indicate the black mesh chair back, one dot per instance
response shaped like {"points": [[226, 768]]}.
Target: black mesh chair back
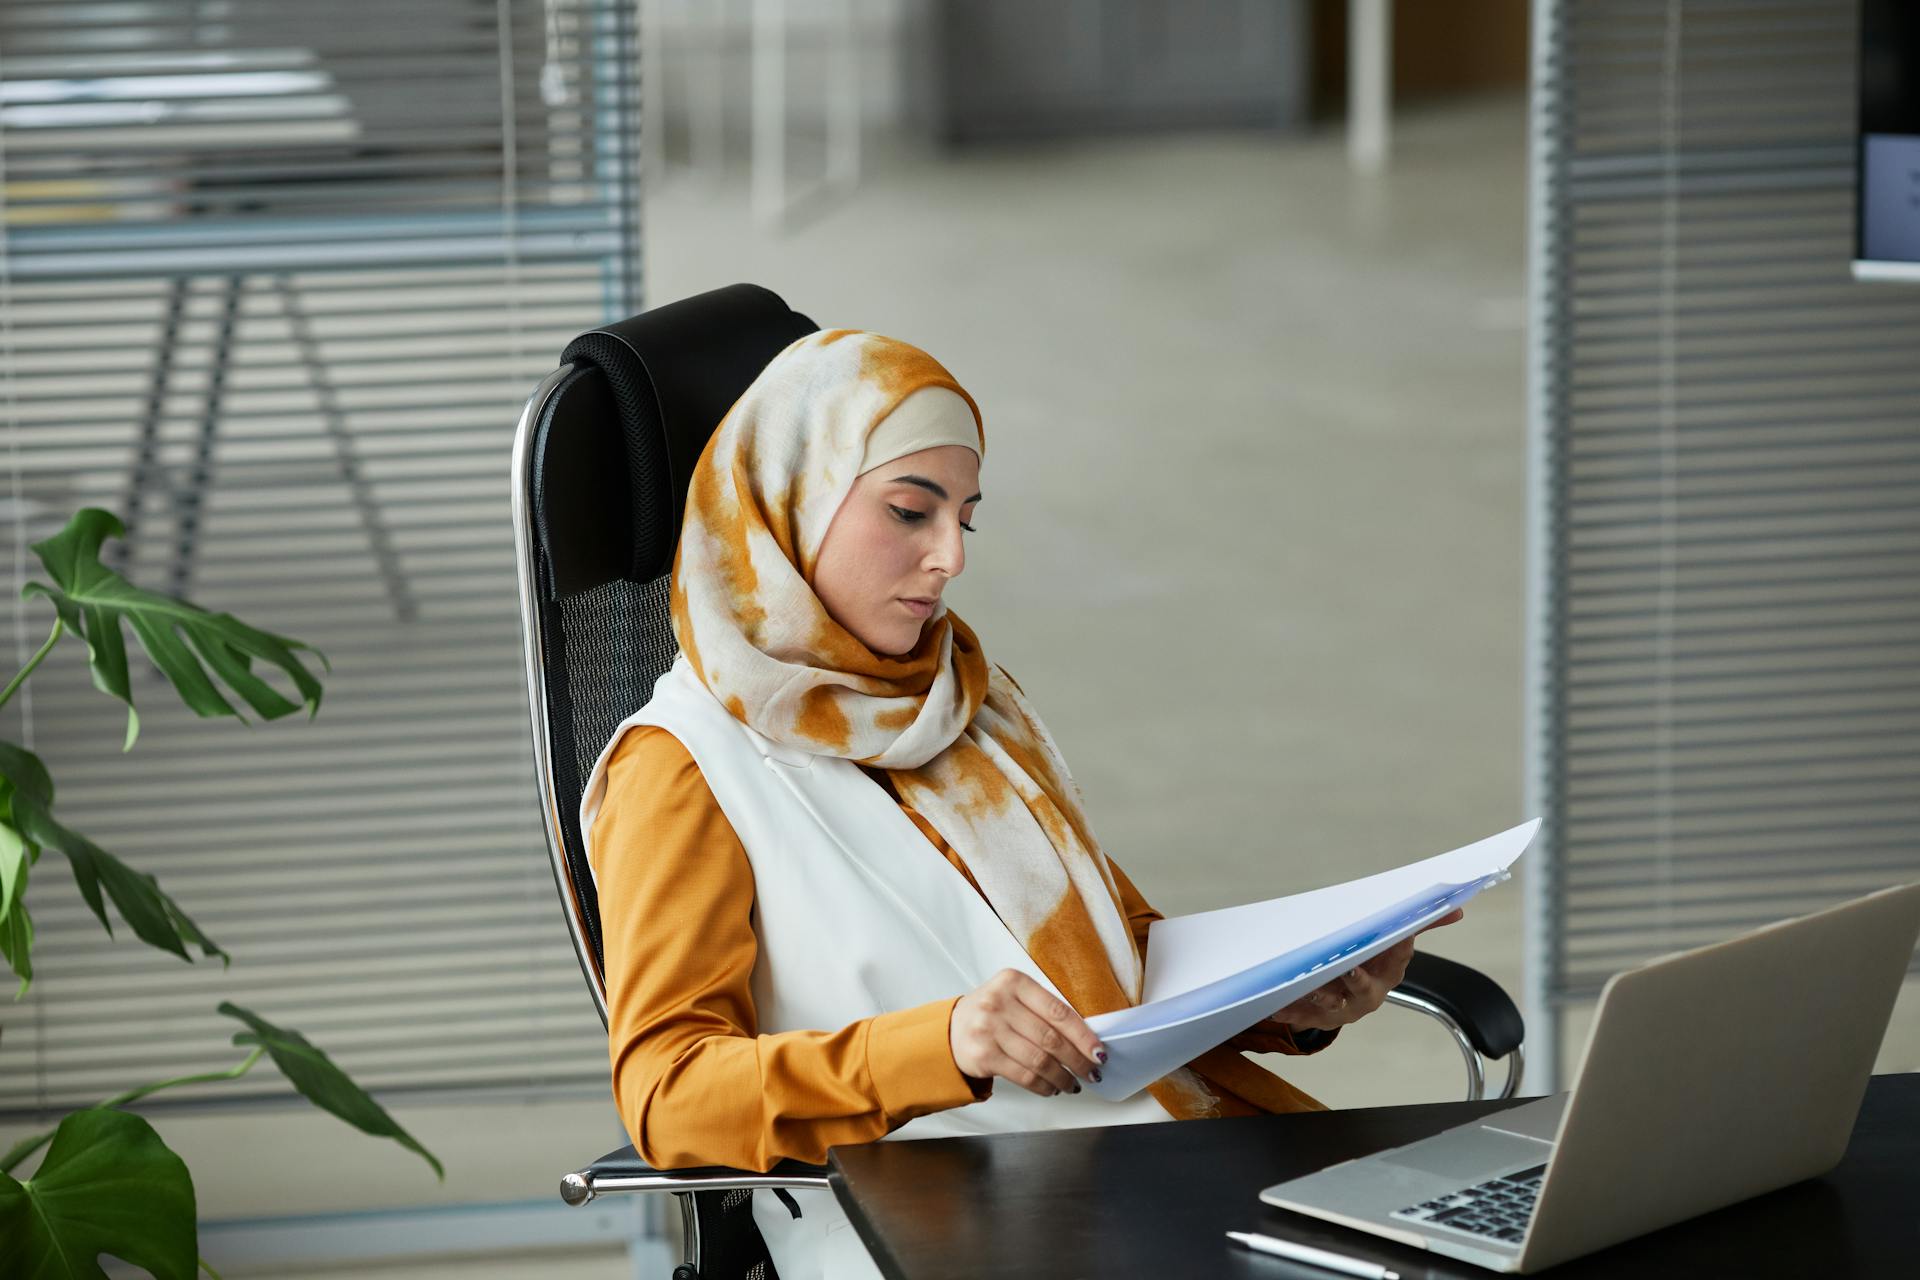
{"points": [[605, 452], [602, 460]]}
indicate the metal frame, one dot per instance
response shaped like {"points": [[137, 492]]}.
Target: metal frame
{"points": [[186, 501], [536, 692], [1476, 1063], [583, 1187], [1546, 491]]}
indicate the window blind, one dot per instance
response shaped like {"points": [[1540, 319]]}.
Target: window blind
{"points": [[278, 278], [1724, 645]]}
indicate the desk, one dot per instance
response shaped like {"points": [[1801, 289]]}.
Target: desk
{"points": [[1155, 1200]]}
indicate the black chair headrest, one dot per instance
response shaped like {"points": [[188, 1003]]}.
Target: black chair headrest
{"points": [[666, 378]]}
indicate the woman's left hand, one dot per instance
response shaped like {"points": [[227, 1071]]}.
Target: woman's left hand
{"points": [[1357, 992]]}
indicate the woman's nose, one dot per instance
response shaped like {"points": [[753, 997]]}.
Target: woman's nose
{"points": [[950, 550]]}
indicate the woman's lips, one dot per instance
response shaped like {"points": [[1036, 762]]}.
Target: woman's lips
{"points": [[921, 608]]}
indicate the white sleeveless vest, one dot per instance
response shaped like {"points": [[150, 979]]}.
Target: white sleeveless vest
{"points": [[856, 914]]}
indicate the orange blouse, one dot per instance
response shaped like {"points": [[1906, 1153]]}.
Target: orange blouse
{"points": [[694, 1082]]}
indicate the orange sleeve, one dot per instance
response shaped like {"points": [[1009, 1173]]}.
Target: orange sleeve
{"points": [[1268, 1036], [694, 1082]]}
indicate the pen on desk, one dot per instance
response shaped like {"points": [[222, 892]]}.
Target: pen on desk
{"points": [[1312, 1257]]}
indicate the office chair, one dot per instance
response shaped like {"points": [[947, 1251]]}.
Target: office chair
{"points": [[601, 463]]}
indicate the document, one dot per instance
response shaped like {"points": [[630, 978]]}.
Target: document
{"points": [[1213, 974]]}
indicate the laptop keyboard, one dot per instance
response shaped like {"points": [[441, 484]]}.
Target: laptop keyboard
{"points": [[1498, 1208]]}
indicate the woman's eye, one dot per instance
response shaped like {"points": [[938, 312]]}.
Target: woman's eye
{"points": [[915, 517]]}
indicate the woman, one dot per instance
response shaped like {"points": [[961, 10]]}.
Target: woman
{"points": [[846, 881]]}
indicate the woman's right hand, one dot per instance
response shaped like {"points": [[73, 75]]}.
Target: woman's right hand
{"points": [[1011, 1026]]}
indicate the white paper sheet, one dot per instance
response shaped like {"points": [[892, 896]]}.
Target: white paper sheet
{"points": [[1213, 974]]}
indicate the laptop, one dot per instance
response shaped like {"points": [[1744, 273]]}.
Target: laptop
{"points": [[1712, 1076]]}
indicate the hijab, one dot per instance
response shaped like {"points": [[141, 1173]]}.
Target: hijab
{"points": [[956, 736]]}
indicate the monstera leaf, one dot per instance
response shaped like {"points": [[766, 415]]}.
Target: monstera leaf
{"points": [[325, 1085], [107, 1185], [29, 825], [16, 944], [190, 645], [84, 1162], [16, 855]]}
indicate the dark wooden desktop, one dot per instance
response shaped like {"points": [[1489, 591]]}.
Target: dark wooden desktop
{"points": [[1157, 1199]]}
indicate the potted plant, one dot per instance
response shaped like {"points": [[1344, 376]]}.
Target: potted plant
{"points": [[107, 1183]]}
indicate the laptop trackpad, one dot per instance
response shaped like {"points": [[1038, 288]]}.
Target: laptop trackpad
{"points": [[1472, 1155]]}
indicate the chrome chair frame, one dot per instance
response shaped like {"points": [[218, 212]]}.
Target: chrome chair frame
{"points": [[1476, 1061]]}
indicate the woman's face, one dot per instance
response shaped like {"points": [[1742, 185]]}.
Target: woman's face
{"points": [[895, 541]]}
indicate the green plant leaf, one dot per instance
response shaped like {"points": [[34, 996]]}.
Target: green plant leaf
{"points": [[324, 1084], [93, 600], [17, 854], [156, 918], [13, 856], [24, 772], [16, 945], [107, 1185]]}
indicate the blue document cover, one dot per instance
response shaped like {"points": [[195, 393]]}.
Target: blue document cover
{"points": [[1212, 975], [1323, 959]]}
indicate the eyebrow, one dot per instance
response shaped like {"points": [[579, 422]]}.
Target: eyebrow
{"points": [[928, 485]]}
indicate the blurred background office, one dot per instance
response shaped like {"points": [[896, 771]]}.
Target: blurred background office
{"points": [[1380, 452]]}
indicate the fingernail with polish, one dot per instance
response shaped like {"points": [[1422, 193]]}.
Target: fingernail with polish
{"points": [[1094, 1075], [1100, 1055]]}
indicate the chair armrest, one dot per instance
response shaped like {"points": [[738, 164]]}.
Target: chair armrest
{"points": [[623, 1170], [1476, 1002]]}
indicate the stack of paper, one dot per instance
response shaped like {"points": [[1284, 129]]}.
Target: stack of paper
{"points": [[1212, 975]]}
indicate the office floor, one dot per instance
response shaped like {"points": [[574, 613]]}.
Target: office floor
{"points": [[1253, 530]]}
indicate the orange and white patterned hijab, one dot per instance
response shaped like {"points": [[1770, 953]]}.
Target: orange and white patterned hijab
{"points": [[957, 737]]}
